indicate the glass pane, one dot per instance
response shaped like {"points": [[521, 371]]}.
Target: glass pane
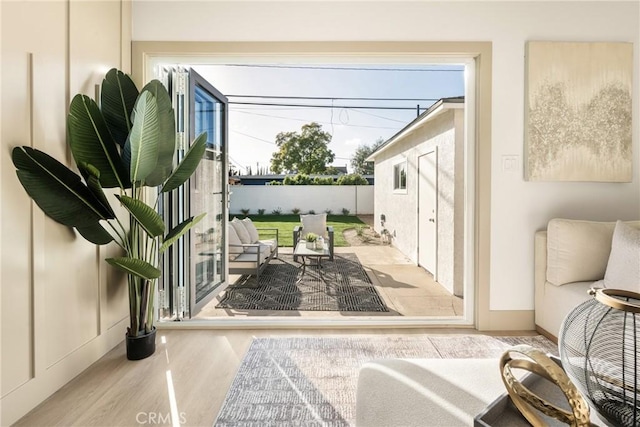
{"points": [[206, 196]]}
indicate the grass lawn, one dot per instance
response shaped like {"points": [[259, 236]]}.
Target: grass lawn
{"points": [[285, 224]]}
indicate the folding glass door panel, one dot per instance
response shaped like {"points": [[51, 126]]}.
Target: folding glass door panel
{"points": [[208, 192], [194, 268]]}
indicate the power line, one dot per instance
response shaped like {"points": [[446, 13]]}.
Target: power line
{"points": [[272, 143], [320, 106], [332, 98], [307, 121], [237, 163], [258, 108], [300, 67], [380, 117], [254, 137], [248, 109]]}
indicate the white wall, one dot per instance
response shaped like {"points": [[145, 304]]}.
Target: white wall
{"points": [[62, 307], [358, 199], [400, 209], [518, 208]]}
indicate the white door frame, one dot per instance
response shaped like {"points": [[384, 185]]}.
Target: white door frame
{"points": [[147, 55]]}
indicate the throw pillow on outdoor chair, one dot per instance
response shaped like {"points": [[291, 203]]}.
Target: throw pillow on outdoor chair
{"points": [[317, 224], [314, 223]]}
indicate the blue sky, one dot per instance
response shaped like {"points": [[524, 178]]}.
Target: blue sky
{"points": [[253, 128]]}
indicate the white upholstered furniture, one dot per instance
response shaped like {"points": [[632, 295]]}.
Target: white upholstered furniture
{"points": [[247, 253], [425, 392], [572, 256], [317, 224]]}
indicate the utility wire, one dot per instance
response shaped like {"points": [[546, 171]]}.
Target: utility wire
{"points": [[380, 117], [320, 106], [318, 121], [254, 137], [300, 67], [235, 162], [272, 143], [248, 110], [258, 108], [332, 98]]}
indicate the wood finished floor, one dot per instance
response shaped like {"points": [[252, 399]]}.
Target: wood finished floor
{"points": [[196, 367], [406, 289]]}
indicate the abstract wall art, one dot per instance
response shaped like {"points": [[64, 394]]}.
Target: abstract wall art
{"points": [[578, 111]]}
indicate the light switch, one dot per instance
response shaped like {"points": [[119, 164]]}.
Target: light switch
{"points": [[510, 163]]}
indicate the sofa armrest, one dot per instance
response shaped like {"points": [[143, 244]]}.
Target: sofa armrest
{"points": [[331, 242], [274, 231], [540, 275], [297, 232]]}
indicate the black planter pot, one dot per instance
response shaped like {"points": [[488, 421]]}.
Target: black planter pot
{"points": [[142, 346]]}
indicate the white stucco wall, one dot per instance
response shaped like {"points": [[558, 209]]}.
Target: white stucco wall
{"points": [[358, 199], [518, 207], [401, 209]]}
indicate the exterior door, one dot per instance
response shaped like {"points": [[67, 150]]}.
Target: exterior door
{"points": [[194, 270], [427, 211], [208, 113]]}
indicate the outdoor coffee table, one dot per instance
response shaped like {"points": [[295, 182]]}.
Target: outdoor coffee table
{"points": [[302, 251]]}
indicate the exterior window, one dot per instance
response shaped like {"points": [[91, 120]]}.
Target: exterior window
{"points": [[400, 176]]}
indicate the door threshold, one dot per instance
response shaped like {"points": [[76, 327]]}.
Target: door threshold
{"points": [[287, 322]]}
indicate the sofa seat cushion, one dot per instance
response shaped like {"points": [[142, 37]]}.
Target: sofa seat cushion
{"points": [[623, 268], [249, 255], [272, 243], [265, 251], [246, 260], [560, 300]]}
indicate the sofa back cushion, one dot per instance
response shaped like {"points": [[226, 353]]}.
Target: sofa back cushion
{"points": [[234, 242], [241, 230], [578, 251], [623, 269], [254, 236]]}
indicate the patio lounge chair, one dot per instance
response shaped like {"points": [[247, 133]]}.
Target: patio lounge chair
{"points": [[316, 223]]}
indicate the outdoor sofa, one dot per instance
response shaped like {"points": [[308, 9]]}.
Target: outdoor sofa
{"points": [[248, 254]]}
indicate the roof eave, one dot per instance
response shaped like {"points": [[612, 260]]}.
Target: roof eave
{"points": [[431, 113]]}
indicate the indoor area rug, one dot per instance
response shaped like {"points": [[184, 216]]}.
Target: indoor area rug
{"points": [[342, 285], [311, 381]]}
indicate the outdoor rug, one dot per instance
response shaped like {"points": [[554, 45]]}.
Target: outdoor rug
{"points": [[346, 287], [312, 381]]}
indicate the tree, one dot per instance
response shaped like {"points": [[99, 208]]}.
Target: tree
{"points": [[331, 170], [306, 152], [352, 179], [362, 152]]}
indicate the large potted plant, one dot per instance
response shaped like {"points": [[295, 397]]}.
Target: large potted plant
{"points": [[126, 143]]}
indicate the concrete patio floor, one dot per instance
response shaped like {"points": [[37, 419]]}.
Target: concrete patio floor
{"points": [[407, 290]]}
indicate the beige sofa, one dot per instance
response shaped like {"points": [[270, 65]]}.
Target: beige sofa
{"points": [[571, 256]]}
